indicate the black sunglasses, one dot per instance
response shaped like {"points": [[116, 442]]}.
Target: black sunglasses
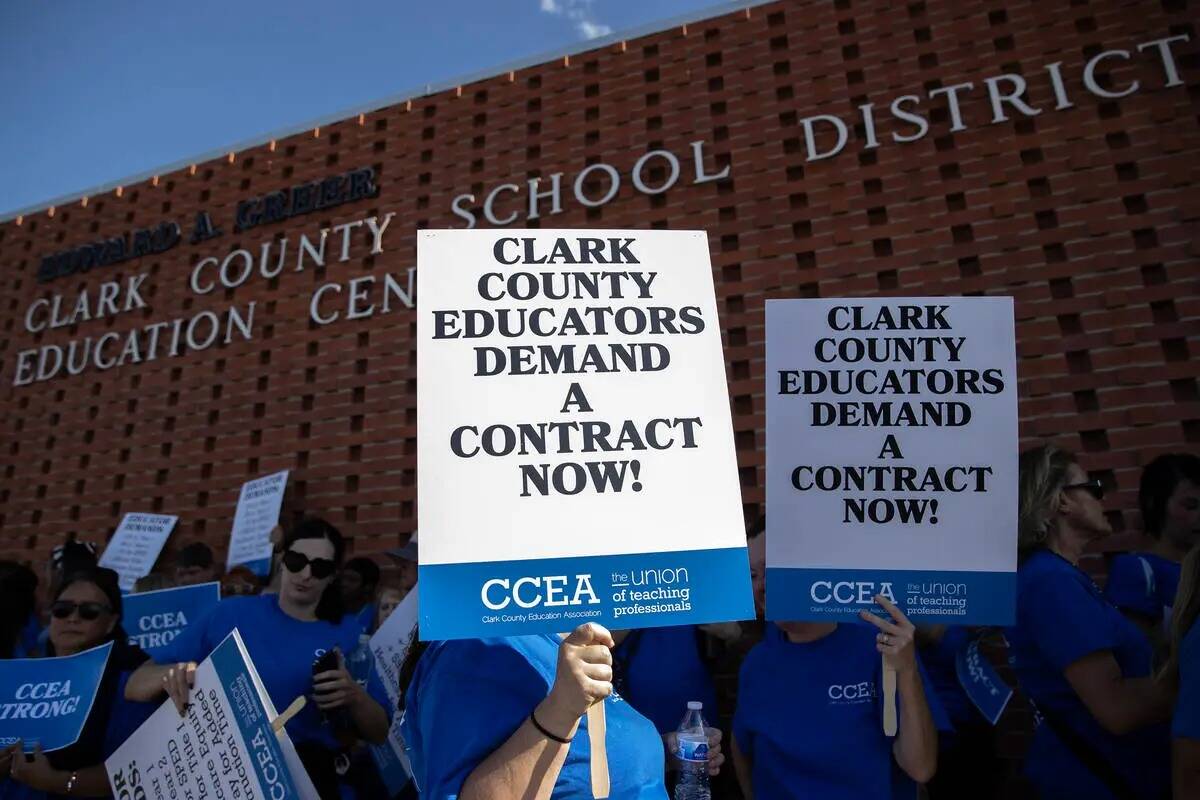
{"points": [[89, 612], [321, 567], [1093, 487]]}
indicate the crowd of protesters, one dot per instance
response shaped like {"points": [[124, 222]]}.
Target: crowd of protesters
{"points": [[1111, 675]]}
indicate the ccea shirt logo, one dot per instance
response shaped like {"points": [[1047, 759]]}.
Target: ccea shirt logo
{"points": [[851, 693], [530, 592], [859, 593]]}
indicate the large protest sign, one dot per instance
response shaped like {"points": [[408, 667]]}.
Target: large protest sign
{"points": [[153, 619], [892, 458], [135, 546], [575, 450], [223, 746], [47, 700], [390, 645], [257, 513]]}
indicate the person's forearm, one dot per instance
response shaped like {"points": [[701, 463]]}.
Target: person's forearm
{"points": [[146, 682], [526, 766], [916, 741], [370, 720], [1133, 703], [92, 782]]}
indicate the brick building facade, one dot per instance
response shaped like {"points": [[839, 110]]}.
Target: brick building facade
{"points": [[1063, 173], [1049, 151]]}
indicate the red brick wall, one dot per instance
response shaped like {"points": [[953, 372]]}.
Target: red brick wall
{"points": [[1088, 216]]}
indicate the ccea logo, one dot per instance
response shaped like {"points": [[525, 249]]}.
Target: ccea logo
{"points": [[860, 593], [531, 592], [852, 692]]}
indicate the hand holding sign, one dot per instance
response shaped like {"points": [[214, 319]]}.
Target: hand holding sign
{"points": [[584, 677], [177, 683], [895, 639], [36, 772]]}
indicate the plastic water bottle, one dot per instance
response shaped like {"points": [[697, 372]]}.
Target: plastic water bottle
{"points": [[692, 752], [359, 662]]}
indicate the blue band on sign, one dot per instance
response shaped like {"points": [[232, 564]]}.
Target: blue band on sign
{"points": [[926, 597], [265, 754], [554, 595]]}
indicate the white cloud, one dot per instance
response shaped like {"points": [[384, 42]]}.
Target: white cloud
{"points": [[579, 12], [592, 30]]}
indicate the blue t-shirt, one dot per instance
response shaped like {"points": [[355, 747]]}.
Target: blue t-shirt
{"points": [[282, 649], [663, 671], [29, 643], [468, 697], [1143, 583], [1062, 617], [1186, 724], [810, 717], [941, 663]]}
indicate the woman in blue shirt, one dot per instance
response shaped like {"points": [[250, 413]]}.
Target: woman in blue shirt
{"points": [[503, 719], [1143, 584], [809, 720], [284, 634], [86, 613], [1183, 671], [1083, 665]]}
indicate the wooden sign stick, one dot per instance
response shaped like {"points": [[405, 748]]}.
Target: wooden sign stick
{"points": [[289, 712], [597, 736], [890, 723]]}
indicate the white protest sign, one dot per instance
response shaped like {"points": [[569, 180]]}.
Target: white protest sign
{"points": [[224, 746], [257, 513], [892, 458], [390, 645], [575, 449], [135, 546]]}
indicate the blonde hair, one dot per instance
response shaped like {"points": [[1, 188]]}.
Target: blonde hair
{"points": [[1042, 475], [1184, 612]]}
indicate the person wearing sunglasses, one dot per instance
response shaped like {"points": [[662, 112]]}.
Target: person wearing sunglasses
{"points": [[85, 613], [285, 634], [1085, 668], [1143, 583]]}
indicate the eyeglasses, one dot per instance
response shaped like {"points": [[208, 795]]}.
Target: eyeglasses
{"points": [[89, 612], [1094, 487], [321, 567]]}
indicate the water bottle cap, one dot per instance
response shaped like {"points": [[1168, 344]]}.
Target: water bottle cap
{"points": [[695, 705]]}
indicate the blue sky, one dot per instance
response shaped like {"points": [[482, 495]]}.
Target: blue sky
{"points": [[94, 91]]}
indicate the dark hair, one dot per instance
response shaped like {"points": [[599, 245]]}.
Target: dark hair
{"points": [[73, 555], [1160, 478], [408, 667], [759, 526], [366, 568], [331, 607], [18, 587], [195, 554], [124, 655]]}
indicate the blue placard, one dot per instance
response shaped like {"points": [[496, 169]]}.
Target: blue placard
{"points": [[266, 755], [153, 619], [47, 700], [837, 595], [550, 595], [983, 685]]}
